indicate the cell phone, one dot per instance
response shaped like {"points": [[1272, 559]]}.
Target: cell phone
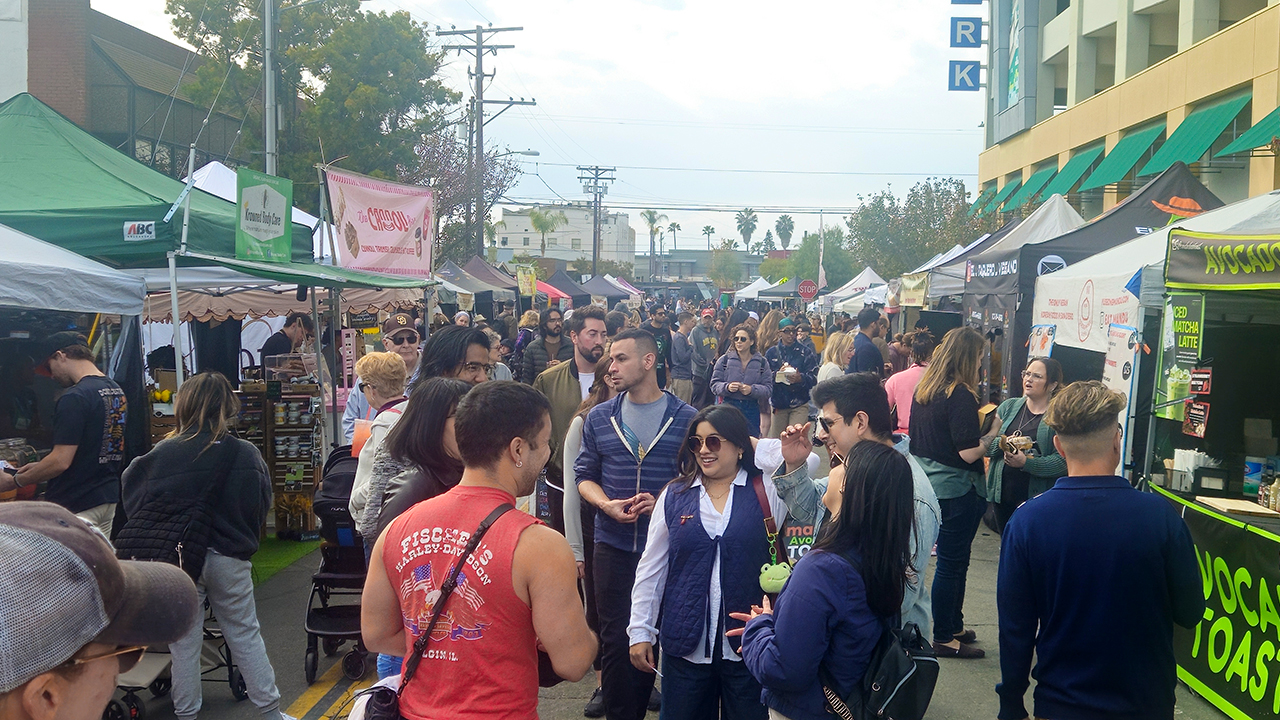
{"points": [[10, 470]]}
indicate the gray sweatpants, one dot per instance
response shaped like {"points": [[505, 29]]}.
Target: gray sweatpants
{"points": [[228, 584]]}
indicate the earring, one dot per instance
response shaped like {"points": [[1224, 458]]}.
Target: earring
{"points": [[519, 463]]}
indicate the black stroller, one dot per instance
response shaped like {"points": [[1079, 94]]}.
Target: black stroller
{"points": [[341, 573]]}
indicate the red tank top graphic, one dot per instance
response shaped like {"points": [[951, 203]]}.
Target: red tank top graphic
{"points": [[481, 661]]}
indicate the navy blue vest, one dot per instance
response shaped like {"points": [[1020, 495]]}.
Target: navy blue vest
{"points": [[744, 548]]}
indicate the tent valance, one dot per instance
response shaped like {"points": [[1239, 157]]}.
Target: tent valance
{"points": [[268, 302]]}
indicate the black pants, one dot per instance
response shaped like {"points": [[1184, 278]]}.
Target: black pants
{"points": [[626, 689], [702, 396], [588, 571]]}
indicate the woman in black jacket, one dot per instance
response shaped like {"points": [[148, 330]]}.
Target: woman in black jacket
{"points": [[187, 464]]}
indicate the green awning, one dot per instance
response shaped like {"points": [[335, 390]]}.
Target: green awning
{"points": [[1001, 196], [1196, 134], [1071, 173], [315, 275], [983, 197], [1255, 137], [1123, 157], [1031, 187]]}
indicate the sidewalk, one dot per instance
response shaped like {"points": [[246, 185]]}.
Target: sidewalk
{"points": [[966, 688]]}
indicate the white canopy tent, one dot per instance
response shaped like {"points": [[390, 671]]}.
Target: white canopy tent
{"points": [[1081, 300], [877, 295], [44, 276], [868, 278], [752, 291], [218, 179], [1053, 218]]}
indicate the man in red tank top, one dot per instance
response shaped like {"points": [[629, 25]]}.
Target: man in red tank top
{"points": [[517, 592]]}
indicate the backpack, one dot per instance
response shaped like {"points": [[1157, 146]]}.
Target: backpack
{"points": [[899, 680], [175, 528]]}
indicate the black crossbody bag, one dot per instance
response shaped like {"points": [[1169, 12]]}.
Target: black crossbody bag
{"points": [[384, 703]]}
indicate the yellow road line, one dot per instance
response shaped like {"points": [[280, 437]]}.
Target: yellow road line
{"points": [[317, 691], [332, 713]]}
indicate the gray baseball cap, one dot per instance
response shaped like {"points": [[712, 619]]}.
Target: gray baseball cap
{"points": [[61, 587]]}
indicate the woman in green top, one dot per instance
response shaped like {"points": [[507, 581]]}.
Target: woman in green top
{"points": [[1014, 477]]}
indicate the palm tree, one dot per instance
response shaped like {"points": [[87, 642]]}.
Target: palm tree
{"points": [[545, 221], [654, 220], [747, 222], [785, 227], [708, 231], [673, 227]]}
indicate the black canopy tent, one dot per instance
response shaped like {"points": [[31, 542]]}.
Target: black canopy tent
{"points": [[485, 294], [565, 284], [1004, 295], [598, 285], [788, 289]]}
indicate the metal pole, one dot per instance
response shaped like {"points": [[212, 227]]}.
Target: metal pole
{"points": [[173, 266], [335, 299], [318, 348], [479, 121], [269, 83], [326, 218], [595, 236]]}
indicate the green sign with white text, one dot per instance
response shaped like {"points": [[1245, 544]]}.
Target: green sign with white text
{"points": [[264, 204]]}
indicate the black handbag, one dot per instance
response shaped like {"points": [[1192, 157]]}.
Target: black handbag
{"points": [[898, 682], [175, 528], [384, 703]]}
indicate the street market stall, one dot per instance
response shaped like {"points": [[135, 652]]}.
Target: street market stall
{"points": [[578, 295], [868, 278], [599, 287], [752, 291], [945, 278]]}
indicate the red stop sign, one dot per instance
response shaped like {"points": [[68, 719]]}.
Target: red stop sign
{"points": [[808, 289]]}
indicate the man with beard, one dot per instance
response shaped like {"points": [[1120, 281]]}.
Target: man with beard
{"points": [[661, 332], [566, 385], [548, 349], [705, 341]]}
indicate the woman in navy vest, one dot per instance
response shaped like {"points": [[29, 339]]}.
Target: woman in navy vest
{"points": [[707, 545], [833, 608]]}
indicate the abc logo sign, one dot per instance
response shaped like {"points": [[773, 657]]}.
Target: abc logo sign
{"points": [[136, 231]]}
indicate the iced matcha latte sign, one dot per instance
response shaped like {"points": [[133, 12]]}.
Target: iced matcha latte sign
{"points": [[265, 204], [1179, 351]]}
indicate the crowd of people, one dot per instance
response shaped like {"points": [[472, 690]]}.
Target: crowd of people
{"points": [[662, 452]]}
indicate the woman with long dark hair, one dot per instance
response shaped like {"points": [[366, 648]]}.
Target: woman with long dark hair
{"points": [[831, 612], [741, 377], [185, 465], [735, 318], [701, 564], [947, 441]]}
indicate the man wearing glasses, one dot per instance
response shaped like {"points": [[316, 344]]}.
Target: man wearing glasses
{"points": [[297, 329], [400, 336], [796, 368], [73, 616]]}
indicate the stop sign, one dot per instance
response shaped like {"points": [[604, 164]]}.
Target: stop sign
{"points": [[808, 289]]}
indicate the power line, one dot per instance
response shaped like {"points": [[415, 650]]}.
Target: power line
{"points": [[704, 207], [761, 171], [761, 126]]}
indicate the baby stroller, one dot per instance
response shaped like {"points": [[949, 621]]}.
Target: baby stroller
{"points": [[341, 573]]}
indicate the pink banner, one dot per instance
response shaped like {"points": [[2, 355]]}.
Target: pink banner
{"points": [[382, 226]]}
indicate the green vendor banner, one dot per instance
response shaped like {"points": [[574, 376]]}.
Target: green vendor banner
{"points": [[265, 206], [1180, 346], [1232, 656], [1206, 261]]}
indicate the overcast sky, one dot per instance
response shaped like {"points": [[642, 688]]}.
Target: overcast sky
{"points": [[711, 103]]}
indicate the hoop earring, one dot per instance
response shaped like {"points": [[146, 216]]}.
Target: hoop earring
{"points": [[519, 463]]}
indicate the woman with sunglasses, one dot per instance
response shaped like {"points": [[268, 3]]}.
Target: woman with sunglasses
{"points": [[831, 612], [185, 465], [741, 377], [701, 566]]}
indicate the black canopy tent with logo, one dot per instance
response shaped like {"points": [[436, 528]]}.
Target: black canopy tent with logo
{"points": [[1003, 296]]}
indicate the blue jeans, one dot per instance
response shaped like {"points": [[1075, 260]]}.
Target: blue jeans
{"points": [[724, 689], [388, 665], [960, 519]]}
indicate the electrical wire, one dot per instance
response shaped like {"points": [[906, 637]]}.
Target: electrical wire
{"points": [[760, 126], [173, 94], [214, 104], [704, 207], [762, 171]]}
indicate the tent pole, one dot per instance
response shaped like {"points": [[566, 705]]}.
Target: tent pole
{"points": [[325, 219], [319, 344], [173, 307], [335, 302]]}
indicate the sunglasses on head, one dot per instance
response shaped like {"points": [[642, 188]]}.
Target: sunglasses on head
{"points": [[406, 338], [712, 442], [128, 657]]}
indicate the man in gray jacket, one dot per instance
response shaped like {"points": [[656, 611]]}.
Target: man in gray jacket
{"points": [[681, 384], [705, 342]]}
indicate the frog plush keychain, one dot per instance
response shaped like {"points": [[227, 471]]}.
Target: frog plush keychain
{"points": [[773, 575]]}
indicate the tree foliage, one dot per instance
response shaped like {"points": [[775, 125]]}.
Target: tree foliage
{"points": [[747, 221], [708, 231], [672, 228], [545, 221], [442, 166], [764, 246], [785, 227], [840, 265], [725, 270], [774, 269], [895, 236], [582, 266]]}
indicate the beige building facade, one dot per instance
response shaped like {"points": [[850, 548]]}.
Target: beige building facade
{"points": [[1125, 88]]}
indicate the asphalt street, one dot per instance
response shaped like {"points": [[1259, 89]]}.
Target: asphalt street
{"points": [[965, 688]]}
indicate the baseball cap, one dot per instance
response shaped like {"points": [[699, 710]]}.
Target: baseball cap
{"points": [[61, 587], [753, 315], [708, 313], [396, 322], [53, 344]]}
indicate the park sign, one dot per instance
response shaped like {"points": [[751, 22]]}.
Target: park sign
{"points": [[264, 230], [1205, 261], [808, 289]]}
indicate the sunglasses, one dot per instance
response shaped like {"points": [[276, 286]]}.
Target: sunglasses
{"points": [[826, 424], [787, 330], [406, 338], [712, 442], [128, 657], [742, 338]]}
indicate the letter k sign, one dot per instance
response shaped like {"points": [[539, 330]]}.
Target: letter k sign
{"points": [[964, 75]]}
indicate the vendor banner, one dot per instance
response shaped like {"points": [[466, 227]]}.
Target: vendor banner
{"points": [[264, 231], [1223, 262], [527, 280], [1229, 657], [914, 290], [1118, 371], [1181, 338], [1082, 308], [381, 226]]}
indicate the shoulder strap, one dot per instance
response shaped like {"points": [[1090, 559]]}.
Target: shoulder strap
{"points": [[420, 645], [770, 525]]}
